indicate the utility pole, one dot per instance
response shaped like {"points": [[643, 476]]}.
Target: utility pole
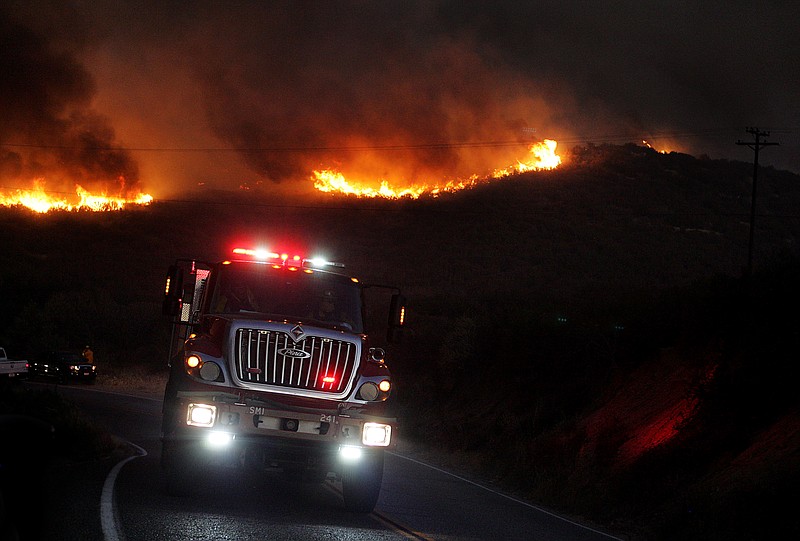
{"points": [[755, 146]]}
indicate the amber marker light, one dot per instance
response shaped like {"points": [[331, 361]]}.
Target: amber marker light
{"points": [[193, 361]]}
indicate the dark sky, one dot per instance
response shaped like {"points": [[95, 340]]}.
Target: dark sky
{"points": [[174, 94]]}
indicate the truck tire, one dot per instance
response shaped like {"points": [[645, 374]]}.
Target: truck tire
{"points": [[361, 483]]}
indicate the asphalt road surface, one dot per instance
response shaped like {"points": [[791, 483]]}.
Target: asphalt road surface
{"points": [[122, 499]]}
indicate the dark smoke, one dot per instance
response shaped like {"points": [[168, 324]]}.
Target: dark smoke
{"points": [[300, 74], [356, 75], [48, 129], [274, 90]]}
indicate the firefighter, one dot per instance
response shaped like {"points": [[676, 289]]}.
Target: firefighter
{"points": [[88, 354], [326, 306], [238, 298], [326, 310]]}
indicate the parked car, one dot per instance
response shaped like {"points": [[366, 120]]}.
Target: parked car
{"points": [[65, 366]]}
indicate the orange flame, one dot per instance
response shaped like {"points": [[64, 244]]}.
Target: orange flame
{"points": [[648, 145], [41, 201], [331, 181], [541, 156]]}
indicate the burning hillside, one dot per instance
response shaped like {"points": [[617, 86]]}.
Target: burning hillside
{"points": [[540, 156], [376, 125], [40, 200], [56, 151]]}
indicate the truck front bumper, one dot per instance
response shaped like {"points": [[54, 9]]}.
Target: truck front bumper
{"points": [[221, 423]]}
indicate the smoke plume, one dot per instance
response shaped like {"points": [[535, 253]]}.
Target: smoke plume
{"points": [[226, 94], [49, 133]]}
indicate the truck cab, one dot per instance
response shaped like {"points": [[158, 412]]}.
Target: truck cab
{"points": [[271, 367]]}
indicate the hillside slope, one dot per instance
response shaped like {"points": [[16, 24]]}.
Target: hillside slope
{"points": [[585, 335]]}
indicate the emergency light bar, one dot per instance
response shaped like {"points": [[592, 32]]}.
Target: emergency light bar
{"points": [[284, 259], [257, 254]]}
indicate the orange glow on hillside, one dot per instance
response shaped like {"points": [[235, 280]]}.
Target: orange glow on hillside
{"points": [[42, 201], [541, 156], [648, 145]]}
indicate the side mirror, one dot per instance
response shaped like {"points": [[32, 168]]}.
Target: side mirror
{"points": [[397, 318], [173, 294]]}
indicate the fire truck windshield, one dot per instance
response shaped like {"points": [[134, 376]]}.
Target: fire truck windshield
{"points": [[244, 287]]}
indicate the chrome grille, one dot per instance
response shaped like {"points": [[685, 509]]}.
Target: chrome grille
{"points": [[316, 363]]}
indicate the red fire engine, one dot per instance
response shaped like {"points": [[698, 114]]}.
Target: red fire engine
{"points": [[271, 367]]}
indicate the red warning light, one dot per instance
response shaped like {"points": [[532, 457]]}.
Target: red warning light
{"points": [[261, 255], [293, 262]]}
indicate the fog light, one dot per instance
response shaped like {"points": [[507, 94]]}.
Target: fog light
{"points": [[376, 434], [219, 439], [385, 385], [368, 391], [201, 415], [348, 453]]}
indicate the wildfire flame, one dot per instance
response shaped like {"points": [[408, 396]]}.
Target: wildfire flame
{"points": [[41, 201], [648, 145], [541, 156]]}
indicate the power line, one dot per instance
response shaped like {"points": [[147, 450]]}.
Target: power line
{"points": [[628, 135], [361, 148]]}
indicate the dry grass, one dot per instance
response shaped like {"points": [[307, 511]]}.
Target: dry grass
{"points": [[136, 379]]}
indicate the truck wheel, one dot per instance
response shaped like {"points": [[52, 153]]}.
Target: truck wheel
{"points": [[361, 483], [178, 463]]}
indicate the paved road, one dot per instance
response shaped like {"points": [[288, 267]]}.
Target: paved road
{"points": [[418, 501]]}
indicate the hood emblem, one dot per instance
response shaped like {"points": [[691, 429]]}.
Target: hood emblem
{"points": [[297, 332]]}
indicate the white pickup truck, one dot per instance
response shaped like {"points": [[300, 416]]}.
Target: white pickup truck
{"points": [[10, 368]]}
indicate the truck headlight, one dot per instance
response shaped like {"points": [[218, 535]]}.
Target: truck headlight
{"points": [[205, 370], [371, 391], [210, 371], [368, 391], [376, 434], [201, 415]]}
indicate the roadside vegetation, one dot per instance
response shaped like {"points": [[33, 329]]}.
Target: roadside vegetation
{"points": [[583, 337], [684, 423]]}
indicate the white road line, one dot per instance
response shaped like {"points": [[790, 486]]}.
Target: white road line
{"points": [[109, 520], [513, 499]]}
